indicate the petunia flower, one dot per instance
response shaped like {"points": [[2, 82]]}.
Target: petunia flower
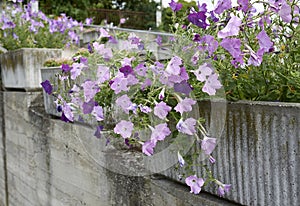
{"points": [[173, 66], [222, 189], [175, 6], [264, 41], [47, 87], [180, 159], [160, 132], [90, 89], [222, 5], [195, 183], [124, 102], [185, 105], [187, 126], [232, 28], [148, 147], [161, 110], [124, 128], [212, 84], [285, 12], [208, 144], [202, 72]]}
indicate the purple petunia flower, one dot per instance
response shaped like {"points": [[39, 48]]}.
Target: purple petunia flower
{"points": [[87, 107], [212, 84], [211, 44], [233, 46], [285, 12], [106, 53], [180, 159], [202, 72], [145, 109], [90, 89], [76, 70], [198, 18], [66, 68], [231, 29], [175, 6], [158, 40], [98, 131], [126, 70], [160, 132], [195, 183], [222, 5], [124, 102], [222, 189], [244, 4], [161, 110], [173, 66], [67, 112], [208, 144], [183, 87], [98, 113], [187, 126], [264, 41], [124, 128], [141, 69], [119, 84], [148, 147], [103, 74], [47, 87], [185, 105]]}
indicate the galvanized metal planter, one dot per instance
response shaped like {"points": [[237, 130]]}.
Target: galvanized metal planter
{"points": [[257, 153], [20, 68]]}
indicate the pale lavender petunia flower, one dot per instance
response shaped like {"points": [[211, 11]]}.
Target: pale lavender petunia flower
{"points": [[224, 188], [185, 105], [148, 147], [141, 69], [145, 109], [212, 84], [98, 113], [202, 72], [160, 132], [222, 5], [208, 144], [76, 70], [233, 46], [180, 159], [124, 128], [161, 110], [173, 66], [124, 102], [211, 44], [122, 21], [67, 111], [195, 183], [90, 89], [119, 84], [264, 41], [103, 74], [158, 40], [187, 126], [285, 12], [244, 4], [106, 53], [183, 87], [232, 28]]}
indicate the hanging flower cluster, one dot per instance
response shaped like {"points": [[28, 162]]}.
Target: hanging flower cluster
{"points": [[128, 90], [23, 27]]}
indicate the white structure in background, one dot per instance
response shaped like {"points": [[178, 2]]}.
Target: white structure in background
{"points": [[35, 6], [158, 16]]}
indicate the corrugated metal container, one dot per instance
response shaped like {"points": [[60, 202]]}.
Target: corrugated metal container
{"points": [[257, 153]]}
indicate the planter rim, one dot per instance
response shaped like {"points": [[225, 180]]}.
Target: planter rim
{"points": [[28, 49], [254, 103]]}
